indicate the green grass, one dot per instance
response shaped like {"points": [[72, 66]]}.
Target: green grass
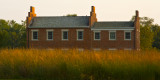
{"points": [[75, 65]]}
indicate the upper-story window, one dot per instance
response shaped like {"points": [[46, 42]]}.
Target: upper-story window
{"points": [[65, 34], [79, 34], [127, 35], [112, 35], [97, 35], [50, 34], [34, 34]]}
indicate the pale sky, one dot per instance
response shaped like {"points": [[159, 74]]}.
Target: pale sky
{"points": [[107, 10]]}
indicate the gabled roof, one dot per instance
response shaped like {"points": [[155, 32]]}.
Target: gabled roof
{"points": [[60, 22], [114, 24]]}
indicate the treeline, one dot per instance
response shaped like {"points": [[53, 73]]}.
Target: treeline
{"points": [[13, 35], [150, 33]]}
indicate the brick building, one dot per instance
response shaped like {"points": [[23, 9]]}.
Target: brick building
{"points": [[82, 32]]}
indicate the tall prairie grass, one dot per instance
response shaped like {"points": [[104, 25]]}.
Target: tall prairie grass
{"points": [[79, 65]]}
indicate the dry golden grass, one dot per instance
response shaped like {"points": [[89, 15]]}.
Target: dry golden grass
{"points": [[81, 65]]}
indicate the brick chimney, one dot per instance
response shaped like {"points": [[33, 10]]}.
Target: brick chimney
{"points": [[31, 14], [92, 18], [137, 31]]}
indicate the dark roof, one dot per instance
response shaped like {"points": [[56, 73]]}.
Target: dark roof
{"points": [[113, 24], [60, 22]]}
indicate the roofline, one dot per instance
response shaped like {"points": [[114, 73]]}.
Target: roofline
{"points": [[58, 27], [58, 16], [114, 28], [111, 29], [112, 21]]}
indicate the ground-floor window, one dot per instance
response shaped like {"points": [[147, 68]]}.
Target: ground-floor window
{"points": [[97, 35], [64, 34], [49, 34], [34, 34], [112, 35], [127, 35], [79, 34]]}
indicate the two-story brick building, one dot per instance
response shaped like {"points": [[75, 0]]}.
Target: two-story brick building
{"points": [[82, 32]]}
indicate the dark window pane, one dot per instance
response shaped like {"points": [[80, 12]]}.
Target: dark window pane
{"points": [[65, 35], [80, 34], [35, 35], [127, 35], [50, 35], [112, 35], [97, 35]]}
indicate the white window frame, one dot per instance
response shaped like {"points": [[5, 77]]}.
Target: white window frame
{"points": [[37, 34], [67, 34], [115, 35], [125, 35], [82, 34], [48, 30], [99, 35]]}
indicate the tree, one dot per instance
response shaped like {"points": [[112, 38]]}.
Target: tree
{"points": [[4, 35], [146, 37], [12, 34], [156, 30], [71, 15], [147, 34]]}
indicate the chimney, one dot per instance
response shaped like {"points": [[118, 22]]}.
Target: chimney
{"points": [[137, 13], [137, 31], [92, 18], [93, 9], [31, 14]]}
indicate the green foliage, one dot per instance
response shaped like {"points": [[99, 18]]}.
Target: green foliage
{"points": [[146, 37], [156, 30], [12, 34], [150, 33], [71, 15]]}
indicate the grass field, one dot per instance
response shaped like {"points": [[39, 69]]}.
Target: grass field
{"points": [[79, 65]]}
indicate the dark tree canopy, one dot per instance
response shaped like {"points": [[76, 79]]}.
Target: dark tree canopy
{"points": [[71, 15], [12, 34], [150, 33]]}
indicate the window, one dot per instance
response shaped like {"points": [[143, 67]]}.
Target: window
{"points": [[49, 34], [127, 35], [112, 35], [64, 34], [34, 34], [97, 35], [79, 34]]}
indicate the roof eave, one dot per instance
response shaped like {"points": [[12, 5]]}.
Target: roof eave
{"points": [[113, 28]]}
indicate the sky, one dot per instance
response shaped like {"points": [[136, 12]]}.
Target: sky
{"points": [[106, 10]]}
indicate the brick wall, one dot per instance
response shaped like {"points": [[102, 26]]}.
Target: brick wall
{"points": [[88, 41], [119, 43], [57, 42]]}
